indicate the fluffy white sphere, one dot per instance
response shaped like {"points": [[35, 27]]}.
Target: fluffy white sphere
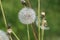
{"points": [[3, 35], [27, 15]]}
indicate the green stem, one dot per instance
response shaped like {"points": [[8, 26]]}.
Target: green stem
{"points": [[11, 38], [42, 34], [5, 19], [28, 32], [3, 14], [15, 35], [38, 32], [34, 32], [43, 29], [29, 3], [38, 19], [31, 24]]}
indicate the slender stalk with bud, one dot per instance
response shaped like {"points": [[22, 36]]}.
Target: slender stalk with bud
{"points": [[34, 32], [27, 16], [4, 18]]}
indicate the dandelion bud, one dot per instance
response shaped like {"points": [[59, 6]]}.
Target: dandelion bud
{"points": [[9, 31], [3, 35], [9, 26], [27, 15], [43, 13], [45, 21], [23, 2]]}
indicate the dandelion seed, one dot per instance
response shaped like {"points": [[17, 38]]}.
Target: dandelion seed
{"points": [[3, 35], [44, 28], [27, 15]]}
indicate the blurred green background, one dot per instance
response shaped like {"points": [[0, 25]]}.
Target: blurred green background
{"points": [[52, 9]]}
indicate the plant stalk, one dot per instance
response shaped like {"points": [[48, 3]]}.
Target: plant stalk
{"points": [[28, 32], [38, 19], [4, 18]]}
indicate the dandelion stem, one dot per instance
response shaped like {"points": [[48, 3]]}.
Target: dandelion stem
{"points": [[42, 34], [42, 29], [10, 37], [4, 18], [29, 3], [3, 14], [28, 32], [15, 35], [38, 19], [34, 32], [31, 24]]}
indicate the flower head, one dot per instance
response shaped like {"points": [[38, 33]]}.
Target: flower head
{"points": [[27, 15], [3, 35]]}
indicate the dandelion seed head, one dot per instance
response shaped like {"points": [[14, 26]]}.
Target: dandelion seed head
{"points": [[27, 15], [3, 35]]}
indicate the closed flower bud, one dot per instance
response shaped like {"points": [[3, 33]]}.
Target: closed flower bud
{"points": [[9, 31], [43, 13], [45, 21], [23, 2]]}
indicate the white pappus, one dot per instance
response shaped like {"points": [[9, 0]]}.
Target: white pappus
{"points": [[3, 35], [27, 15]]}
